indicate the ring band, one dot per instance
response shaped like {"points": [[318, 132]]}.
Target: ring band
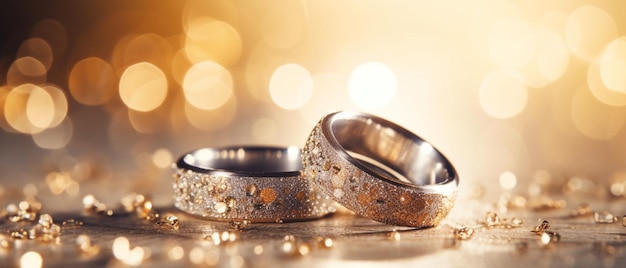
{"points": [[380, 170], [258, 184]]}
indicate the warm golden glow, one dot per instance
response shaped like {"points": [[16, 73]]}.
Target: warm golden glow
{"points": [[260, 65], [26, 70], [508, 180], [281, 27], [372, 85], [162, 158], [31, 259], [208, 85], [550, 61], [143, 87], [92, 81], [502, 94], [148, 47], [212, 40], [56, 137], [40, 108], [291, 86], [512, 43], [599, 89], [589, 29], [211, 119], [613, 65], [38, 49], [329, 95], [552, 55], [31, 109], [264, 130], [59, 109], [594, 119]]}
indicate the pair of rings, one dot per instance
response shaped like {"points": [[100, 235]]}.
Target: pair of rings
{"points": [[367, 164]]}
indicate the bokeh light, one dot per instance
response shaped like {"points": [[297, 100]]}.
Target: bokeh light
{"points": [[502, 94], [60, 106], [31, 109], [372, 85], [550, 61], [210, 120], [26, 70], [599, 89], [143, 87], [207, 85], [92, 81], [162, 158], [260, 66], [38, 49], [54, 33], [55, 138], [613, 65], [595, 119], [208, 39], [589, 29], [149, 47], [291, 86], [31, 259], [508, 180]]}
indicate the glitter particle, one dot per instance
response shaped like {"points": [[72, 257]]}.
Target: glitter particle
{"points": [[545, 225], [394, 235], [220, 207], [338, 193], [169, 221], [251, 190], [463, 233], [604, 217]]}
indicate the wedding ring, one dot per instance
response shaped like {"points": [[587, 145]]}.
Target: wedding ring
{"points": [[380, 170], [257, 184]]}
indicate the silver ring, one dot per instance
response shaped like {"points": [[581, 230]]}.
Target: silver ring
{"points": [[258, 184], [380, 170]]}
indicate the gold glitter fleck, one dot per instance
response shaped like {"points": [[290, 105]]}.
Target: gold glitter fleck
{"points": [[170, 222], [84, 246], [239, 225], [544, 226], [72, 223], [463, 233], [491, 219], [251, 190], [268, 195], [393, 235], [326, 166]]}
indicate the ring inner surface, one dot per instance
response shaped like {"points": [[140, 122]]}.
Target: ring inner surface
{"points": [[247, 160], [391, 152]]}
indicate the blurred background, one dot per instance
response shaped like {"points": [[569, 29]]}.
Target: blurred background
{"points": [[109, 93]]}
